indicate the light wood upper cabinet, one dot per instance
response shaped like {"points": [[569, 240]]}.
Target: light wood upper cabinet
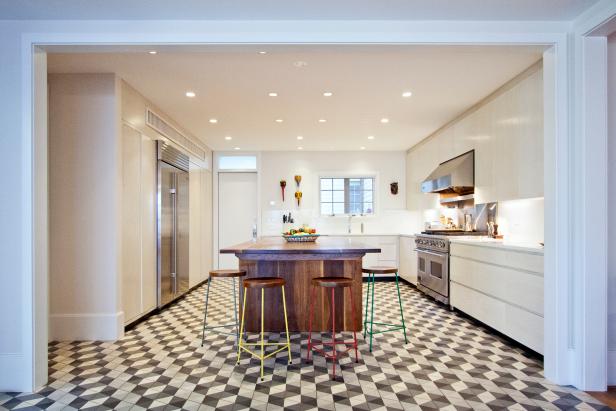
{"points": [[506, 132]]}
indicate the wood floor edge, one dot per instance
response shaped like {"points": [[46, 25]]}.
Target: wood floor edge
{"points": [[607, 397]]}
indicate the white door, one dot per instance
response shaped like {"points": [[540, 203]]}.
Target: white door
{"points": [[237, 212]]}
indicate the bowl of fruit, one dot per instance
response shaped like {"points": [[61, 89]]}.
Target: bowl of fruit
{"points": [[303, 234]]}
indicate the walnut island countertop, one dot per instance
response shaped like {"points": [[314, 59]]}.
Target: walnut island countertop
{"points": [[278, 245]]}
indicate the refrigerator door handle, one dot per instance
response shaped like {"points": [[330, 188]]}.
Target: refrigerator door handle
{"points": [[174, 202]]}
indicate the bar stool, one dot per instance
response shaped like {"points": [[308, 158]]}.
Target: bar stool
{"points": [[263, 283], [333, 283], [233, 274], [392, 327]]}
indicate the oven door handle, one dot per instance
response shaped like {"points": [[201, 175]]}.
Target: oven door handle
{"points": [[431, 252]]}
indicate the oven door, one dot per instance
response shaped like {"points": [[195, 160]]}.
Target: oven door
{"points": [[433, 271]]}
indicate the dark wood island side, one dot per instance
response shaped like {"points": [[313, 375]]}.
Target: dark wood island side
{"points": [[298, 264]]}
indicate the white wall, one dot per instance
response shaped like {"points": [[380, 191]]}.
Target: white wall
{"points": [[84, 207], [387, 166], [611, 300]]}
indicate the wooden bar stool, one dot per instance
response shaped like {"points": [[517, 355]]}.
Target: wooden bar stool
{"points": [[332, 283], [392, 327], [263, 283], [233, 274]]}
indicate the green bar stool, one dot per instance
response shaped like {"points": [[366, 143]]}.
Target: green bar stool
{"points": [[370, 297], [232, 274]]}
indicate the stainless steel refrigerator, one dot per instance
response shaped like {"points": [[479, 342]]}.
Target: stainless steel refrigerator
{"points": [[173, 224]]}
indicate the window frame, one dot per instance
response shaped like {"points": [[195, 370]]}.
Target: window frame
{"points": [[347, 177]]}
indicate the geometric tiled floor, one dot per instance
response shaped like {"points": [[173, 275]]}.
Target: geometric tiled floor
{"points": [[449, 363]]}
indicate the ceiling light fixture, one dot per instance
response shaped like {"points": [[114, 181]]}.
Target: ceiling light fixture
{"points": [[322, 120], [300, 137], [300, 148], [228, 138], [236, 148], [384, 120], [300, 64], [407, 94], [328, 94], [279, 120], [370, 137], [152, 52], [273, 94], [213, 121], [362, 148], [190, 94], [262, 52]]}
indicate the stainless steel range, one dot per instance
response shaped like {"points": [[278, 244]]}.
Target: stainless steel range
{"points": [[433, 266]]}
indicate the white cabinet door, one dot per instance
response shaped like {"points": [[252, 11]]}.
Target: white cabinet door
{"points": [[138, 224], [131, 229], [408, 259], [149, 191]]}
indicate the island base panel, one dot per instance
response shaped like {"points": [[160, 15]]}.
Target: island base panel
{"points": [[298, 275]]}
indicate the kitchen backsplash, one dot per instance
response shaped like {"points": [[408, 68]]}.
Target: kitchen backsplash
{"points": [[521, 220], [386, 222]]}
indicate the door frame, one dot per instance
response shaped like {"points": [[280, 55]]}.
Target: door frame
{"points": [[564, 359], [215, 197]]}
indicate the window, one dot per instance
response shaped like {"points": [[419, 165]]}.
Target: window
{"points": [[237, 163], [347, 195]]}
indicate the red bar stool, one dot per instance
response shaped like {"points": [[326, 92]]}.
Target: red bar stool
{"points": [[333, 283]]}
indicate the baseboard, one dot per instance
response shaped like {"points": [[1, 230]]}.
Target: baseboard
{"points": [[12, 373], [86, 327], [611, 368]]}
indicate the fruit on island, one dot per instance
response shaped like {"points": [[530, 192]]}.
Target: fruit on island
{"points": [[301, 231]]}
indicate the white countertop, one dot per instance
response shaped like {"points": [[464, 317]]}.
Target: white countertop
{"points": [[495, 243]]}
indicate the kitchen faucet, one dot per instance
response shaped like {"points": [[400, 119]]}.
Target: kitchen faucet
{"points": [[349, 223]]}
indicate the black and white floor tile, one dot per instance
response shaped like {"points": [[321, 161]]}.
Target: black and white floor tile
{"points": [[450, 363]]}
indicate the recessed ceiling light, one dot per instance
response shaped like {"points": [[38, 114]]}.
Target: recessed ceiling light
{"points": [[370, 137], [262, 52], [300, 137], [322, 120], [328, 94], [279, 120], [384, 120], [152, 52], [407, 94], [190, 94], [213, 121], [273, 94], [236, 148], [228, 138], [300, 148], [362, 148], [300, 64]]}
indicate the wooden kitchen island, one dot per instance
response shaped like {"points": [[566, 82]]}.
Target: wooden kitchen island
{"points": [[298, 264]]}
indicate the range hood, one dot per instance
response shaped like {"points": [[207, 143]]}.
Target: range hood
{"points": [[455, 176]]}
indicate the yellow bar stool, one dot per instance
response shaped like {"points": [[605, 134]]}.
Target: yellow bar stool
{"points": [[262, 283]]}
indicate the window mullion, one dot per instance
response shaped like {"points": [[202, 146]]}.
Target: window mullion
{"points": [[347, 196]]}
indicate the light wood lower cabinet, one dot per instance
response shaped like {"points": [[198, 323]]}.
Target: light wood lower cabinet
{"points": [[501, 288], [387, 243], [138, 224], [408, 259]]}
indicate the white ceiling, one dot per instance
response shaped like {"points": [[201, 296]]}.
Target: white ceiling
{"points": [[232, 85], [295, 10]]}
